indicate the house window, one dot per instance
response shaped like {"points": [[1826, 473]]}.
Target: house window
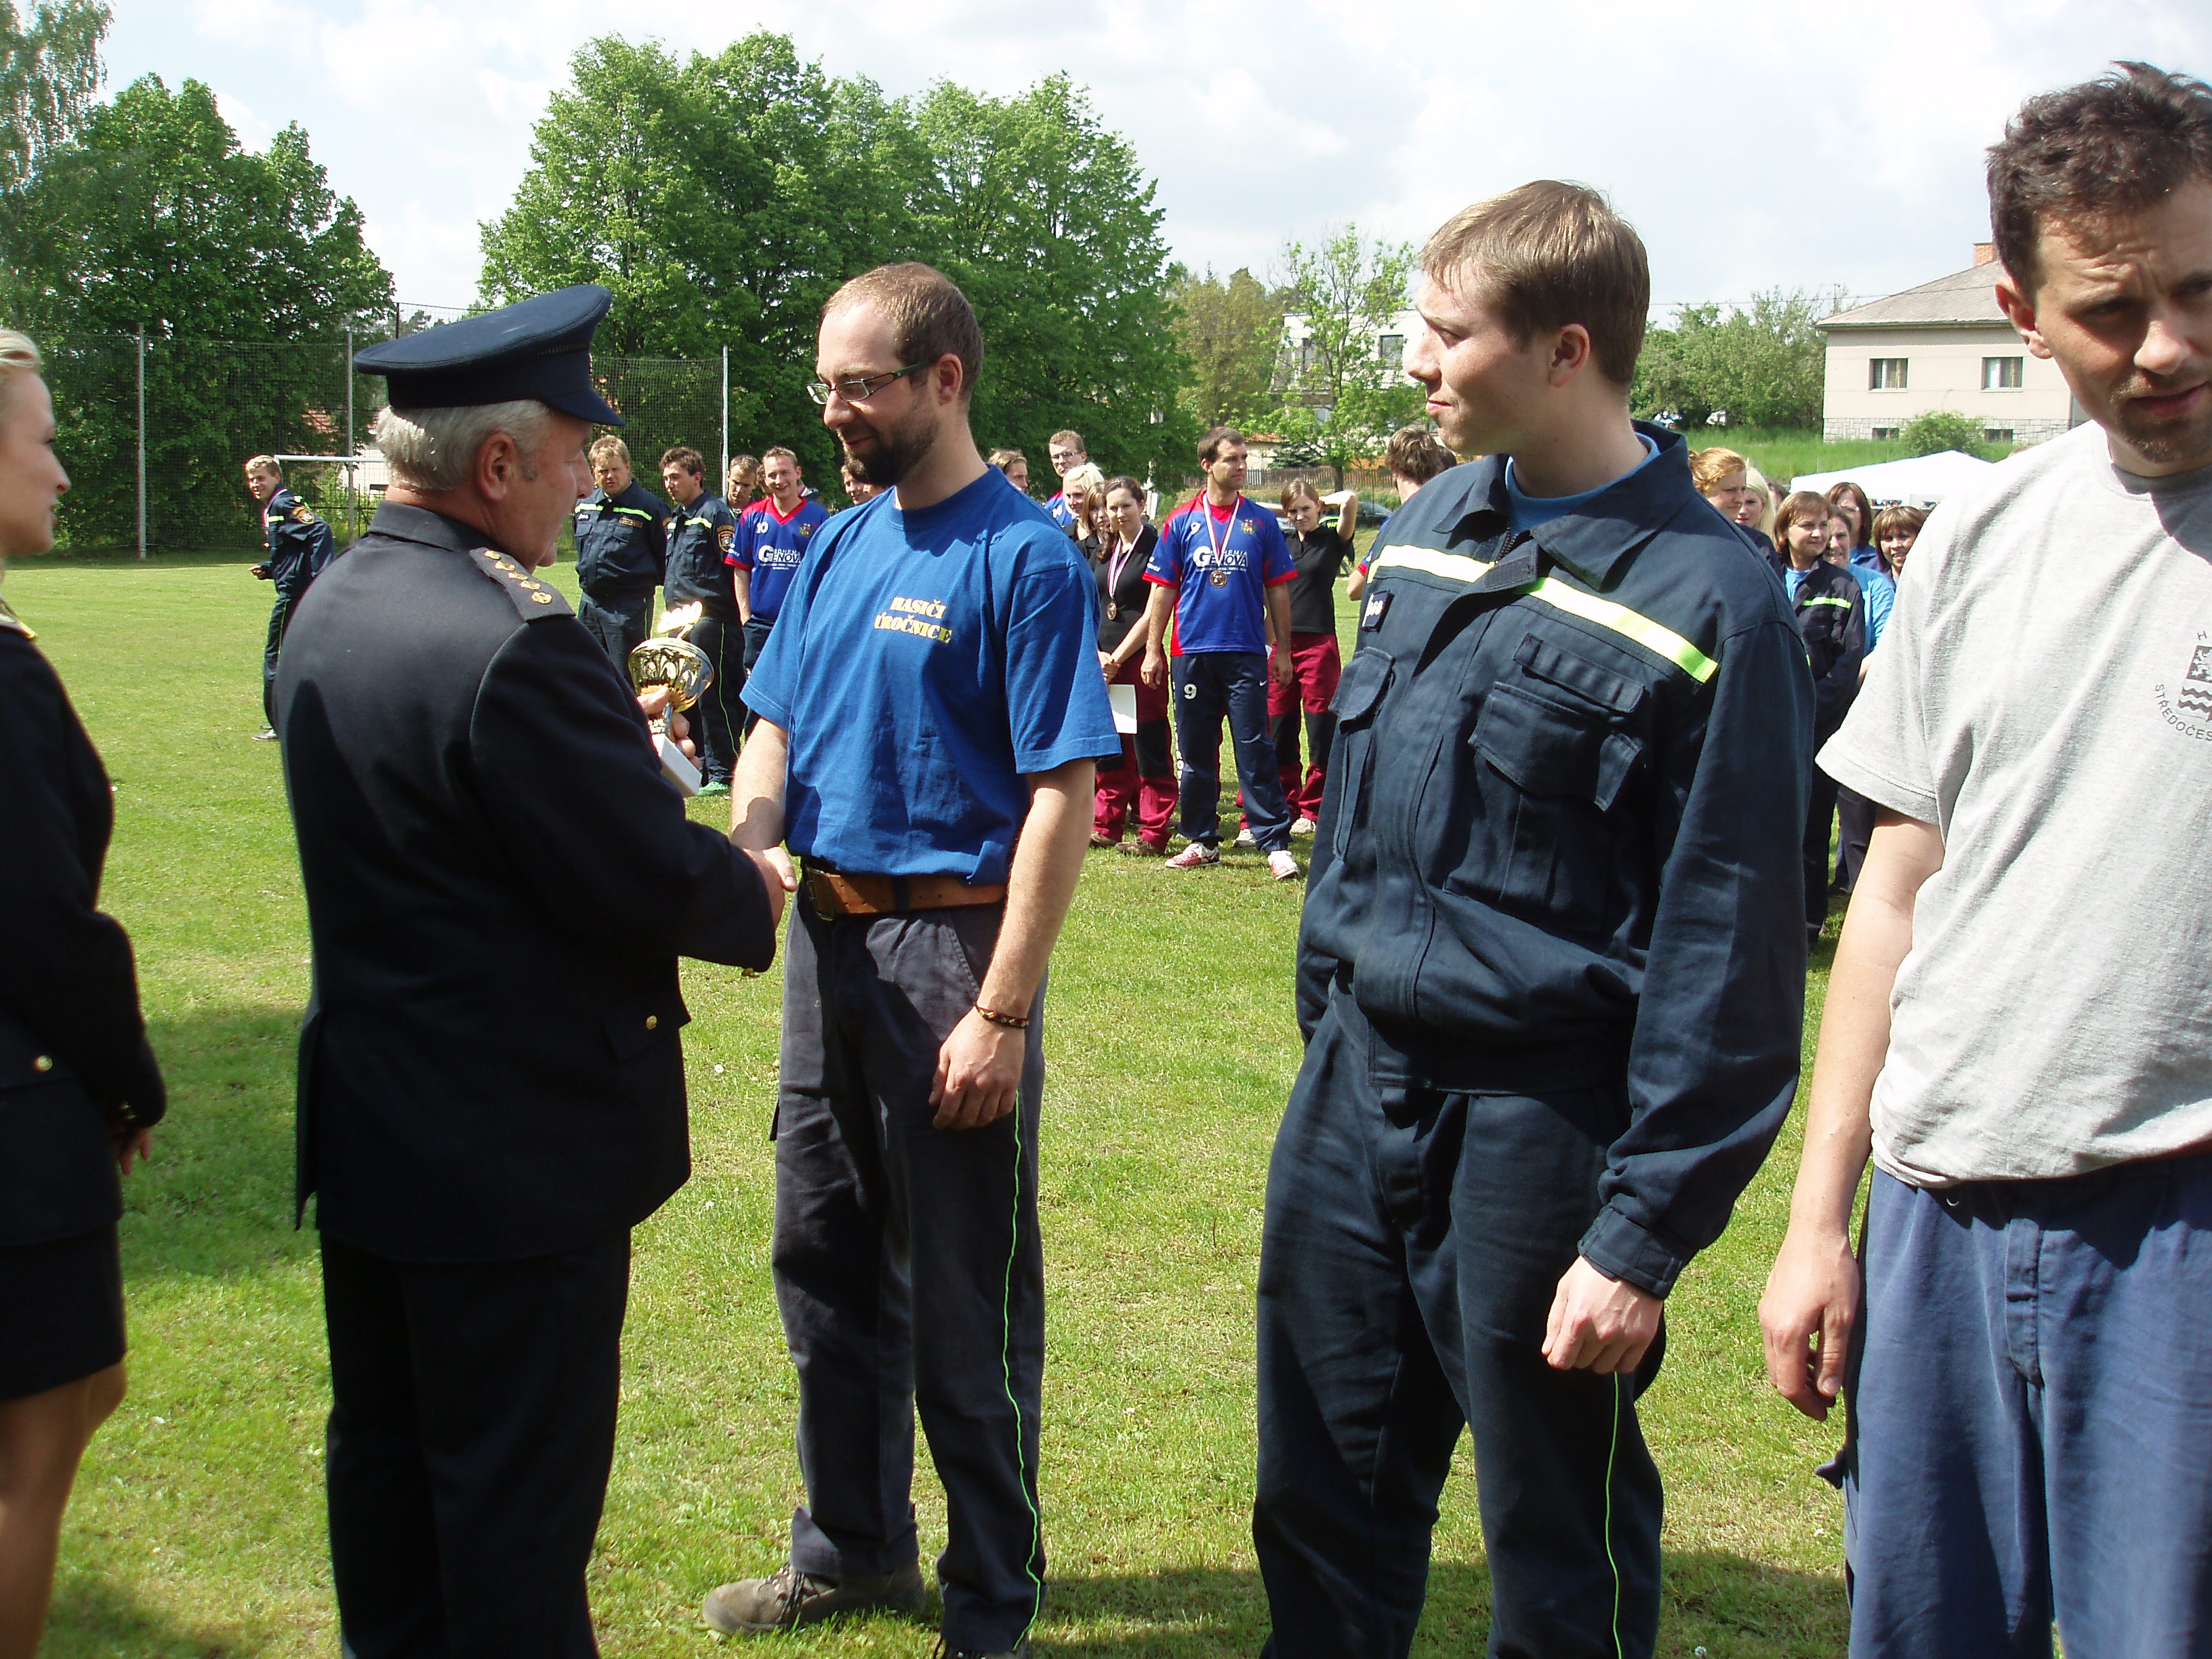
{"points": [[1882, 433], [2001, 373], [1996, 434], [1886, 374], [1391, 348]]}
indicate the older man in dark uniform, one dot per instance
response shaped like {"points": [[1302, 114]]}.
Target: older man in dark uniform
{"points": [[499, 883]]}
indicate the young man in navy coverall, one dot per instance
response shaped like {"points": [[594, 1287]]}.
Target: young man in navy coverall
{"points": [[1549, 970]]}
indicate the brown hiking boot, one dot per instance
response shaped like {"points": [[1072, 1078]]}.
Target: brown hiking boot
{"points": [[791, 1598]]}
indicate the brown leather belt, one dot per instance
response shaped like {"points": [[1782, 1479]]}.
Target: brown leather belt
{"points": [[836, 894]]}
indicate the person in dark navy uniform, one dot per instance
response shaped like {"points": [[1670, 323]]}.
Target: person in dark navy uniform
{"points": [[79, 1087], [1549, 970], [621, 549], [499, 883], [301, 546], [702, 534]]}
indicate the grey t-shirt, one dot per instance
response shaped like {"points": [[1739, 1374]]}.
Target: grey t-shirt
{"points": [[2044, 697]]}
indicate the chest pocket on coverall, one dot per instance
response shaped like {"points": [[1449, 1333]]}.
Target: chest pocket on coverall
{"points": [[1558, 744]]}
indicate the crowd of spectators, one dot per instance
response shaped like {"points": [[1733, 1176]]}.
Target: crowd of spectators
{"points": [[1249, 648], [1813, 542]]}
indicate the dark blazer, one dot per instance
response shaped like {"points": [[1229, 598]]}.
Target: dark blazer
{"points": [[499, 883], [72, 1044]]}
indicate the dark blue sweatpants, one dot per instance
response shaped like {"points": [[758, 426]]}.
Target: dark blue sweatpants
{"points": [[1208, 685], [1413, 1243], [2031, 1418], [907, 1267]]}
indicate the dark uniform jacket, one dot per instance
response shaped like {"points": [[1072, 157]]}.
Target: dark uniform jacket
{"points": [[700, 537], [72, 1045], [1831, 613], [1560, 840], [301, 545], [499, 883], [1122, 605], [621, 547]]}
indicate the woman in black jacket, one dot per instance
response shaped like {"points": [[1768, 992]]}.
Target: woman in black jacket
{"points": [[1831, 611], [78, 1086]]}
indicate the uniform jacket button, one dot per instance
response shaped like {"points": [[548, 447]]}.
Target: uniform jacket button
{"points": [[652, 1022], [43, 1063]]}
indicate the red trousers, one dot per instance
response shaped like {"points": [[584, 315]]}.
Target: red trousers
{"points": [[1315, 667], [1146, 779]]}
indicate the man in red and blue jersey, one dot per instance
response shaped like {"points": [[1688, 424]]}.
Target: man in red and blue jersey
{"points": [[1221, 574], [772, 538]]}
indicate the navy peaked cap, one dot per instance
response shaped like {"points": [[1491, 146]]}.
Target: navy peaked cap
{"points": [[537, 348]]}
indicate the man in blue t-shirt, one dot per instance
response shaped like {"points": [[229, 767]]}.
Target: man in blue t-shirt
{"points": [[930, 709], [1221, 596], [772, 536]]}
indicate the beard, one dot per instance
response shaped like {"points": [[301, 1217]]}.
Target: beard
{"points": [[895, 451], [2162, 442]]}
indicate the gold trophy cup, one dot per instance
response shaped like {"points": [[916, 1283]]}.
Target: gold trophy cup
{"points": [[669, 659]]}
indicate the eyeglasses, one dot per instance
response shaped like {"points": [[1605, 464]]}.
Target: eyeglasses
{"points": [[858, 388]]}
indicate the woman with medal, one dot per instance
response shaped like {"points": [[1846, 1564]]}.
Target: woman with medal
{"points": [[1145, 781], [79, 1089]]}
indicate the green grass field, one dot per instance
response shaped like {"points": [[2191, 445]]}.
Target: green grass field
{"points": [[198, 1527]]}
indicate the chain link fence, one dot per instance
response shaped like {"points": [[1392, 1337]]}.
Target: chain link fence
{"points": [[154, 431]]}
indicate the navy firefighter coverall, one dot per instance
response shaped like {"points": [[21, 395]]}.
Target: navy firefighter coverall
{"points": [[1550, 972]]}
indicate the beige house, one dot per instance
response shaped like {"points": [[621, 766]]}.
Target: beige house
{"points": [[1942, 345]]}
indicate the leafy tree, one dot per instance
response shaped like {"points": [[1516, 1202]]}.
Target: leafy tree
{"points": [[1045, 220], [724, 198], [1939, 429], [1765, 366], [1230, 330], [154, 216], [1342, 398], [49, 70]]}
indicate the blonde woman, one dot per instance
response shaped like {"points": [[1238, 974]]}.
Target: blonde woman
{"points": [[1084, 488], [79, 1089]]}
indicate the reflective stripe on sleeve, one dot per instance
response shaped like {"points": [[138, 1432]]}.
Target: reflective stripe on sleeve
{"points": [[1830, 600], [1456, 566]]}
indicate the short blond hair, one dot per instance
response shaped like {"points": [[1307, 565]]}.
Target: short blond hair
{"points": [[260, 466], [610, 445], [19, 355], [778, 453]]}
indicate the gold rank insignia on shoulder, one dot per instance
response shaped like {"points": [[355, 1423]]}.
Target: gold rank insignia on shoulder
{"points": [[14, 623], [542, 598]]}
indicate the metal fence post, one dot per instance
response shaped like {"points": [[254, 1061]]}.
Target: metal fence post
{"points": [[142, 441], [724, 476], [347, 367]]}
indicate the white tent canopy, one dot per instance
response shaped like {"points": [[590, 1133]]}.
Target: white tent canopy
{"points": [[1920, 482]]}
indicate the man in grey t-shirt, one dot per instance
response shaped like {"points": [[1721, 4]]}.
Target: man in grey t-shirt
{"points": [[2018, 1025]]}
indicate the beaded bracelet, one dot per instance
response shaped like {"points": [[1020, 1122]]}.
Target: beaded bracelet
{"points": [[1012, 1021]]}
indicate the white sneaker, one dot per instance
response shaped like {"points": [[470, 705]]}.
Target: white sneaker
{"points": [[1245, 841], [266, 734], [1304, 827], [1196, 856], [1282, 867]]}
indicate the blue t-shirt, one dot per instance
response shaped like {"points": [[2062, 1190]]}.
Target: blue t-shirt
{"points": [[923, 663], [770, 546], [1794, 579], [1529, 511], [1221, 560]]}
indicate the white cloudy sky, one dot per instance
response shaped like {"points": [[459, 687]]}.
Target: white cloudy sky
{"points": [[1755, 143]]}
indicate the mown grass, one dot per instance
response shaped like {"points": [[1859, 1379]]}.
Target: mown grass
{"points": [[197, 1528]]}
